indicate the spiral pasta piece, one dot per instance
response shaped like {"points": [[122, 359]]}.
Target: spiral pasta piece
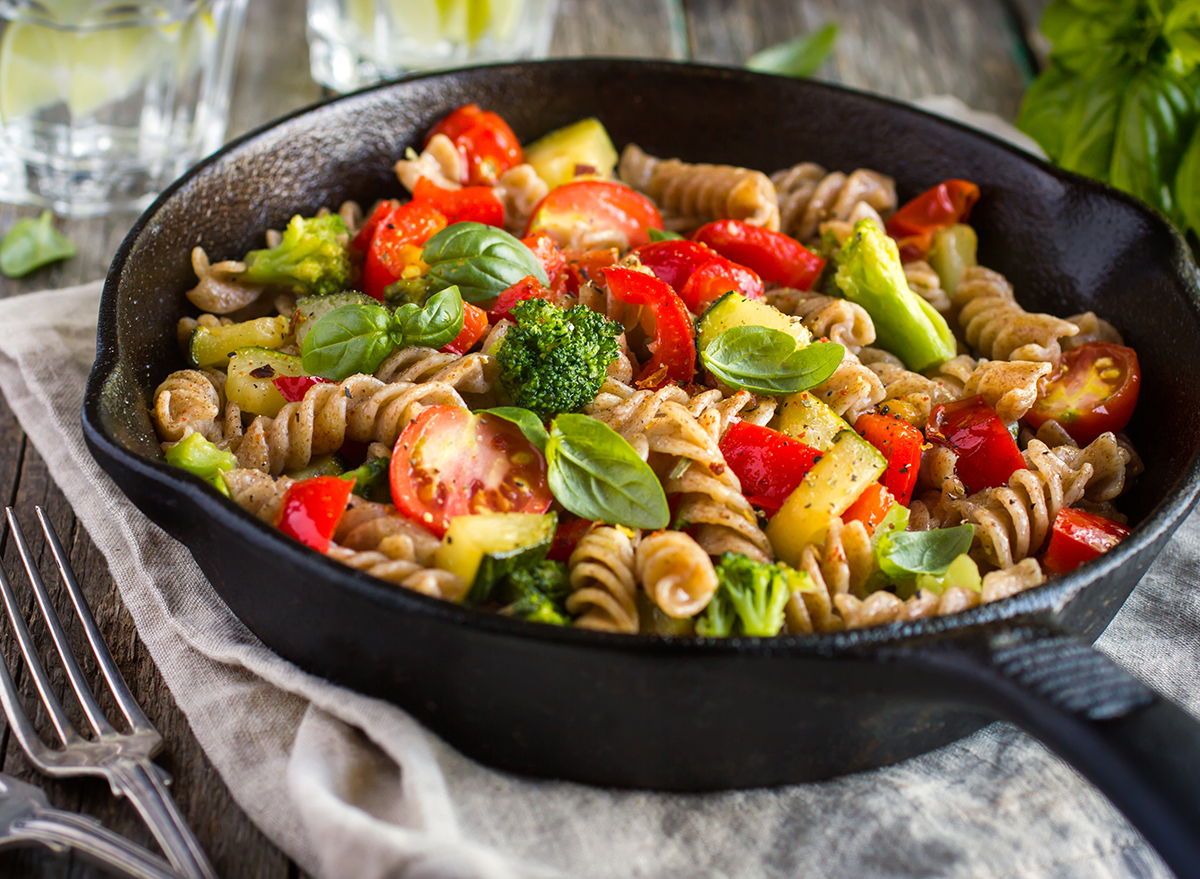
{"points": [[910, 395], [370, 526], [361, 408], [852, 389], [884, 607], [433, 582], [440, 162], [519, 190], [838, 320], [217, 290], [997, 327], [676, 573], [927, 284], [1112, 464], [188, 401], [1008, 386], [473, 373], [258, 493], [693, 194], [716, 411], [838, 566], [1091, 329], [1025, 574], [808, 196], [603, 582]]}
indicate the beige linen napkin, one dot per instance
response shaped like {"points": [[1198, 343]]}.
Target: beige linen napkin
{"points": [[353, 788]]}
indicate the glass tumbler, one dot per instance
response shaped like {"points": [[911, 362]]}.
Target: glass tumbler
{"points": [[354, 43], [102, 104]]}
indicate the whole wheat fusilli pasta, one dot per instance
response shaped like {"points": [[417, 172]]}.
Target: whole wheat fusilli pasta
{"points": [[603, 582], [809, 195], [676, 573]]}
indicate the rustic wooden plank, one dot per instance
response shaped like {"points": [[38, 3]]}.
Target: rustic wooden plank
{"points": [[620, 28]]}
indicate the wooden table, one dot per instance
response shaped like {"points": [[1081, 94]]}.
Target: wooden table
{"points": [[976, 50]]}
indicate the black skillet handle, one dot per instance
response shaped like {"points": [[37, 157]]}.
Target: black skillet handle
{"points": [[1139, 748]]}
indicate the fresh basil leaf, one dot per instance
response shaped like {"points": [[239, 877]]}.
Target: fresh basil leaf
{"points": [[482, 261], [1044, 106], [1159, 106], [1181, 29], [663, 235], [1187, 184], [764, 360], [349, 340], [527, 421], [908, 553], [1090, 123], [31, 244], [597, 475], [799, 57], [438, 322], [1090, 37]]}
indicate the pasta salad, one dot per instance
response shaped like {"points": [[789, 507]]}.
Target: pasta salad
{"points": [[636, 394]]}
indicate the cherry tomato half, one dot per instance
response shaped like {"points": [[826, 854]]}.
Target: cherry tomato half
{"points": [[598, 206], [1095, 389], [471, 204], [484, 140], [450, 462], [1079, 537], [396, 245]]}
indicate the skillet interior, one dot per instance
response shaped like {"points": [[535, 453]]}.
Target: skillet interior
{"points": [[618, 709]]}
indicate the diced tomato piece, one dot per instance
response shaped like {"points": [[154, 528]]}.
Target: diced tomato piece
{"points": [[987, 452], [396, 246], [597, 205], [566, 536], [312, 509], [772, 255], [768, 464], [471, 204], [528, 287], [900, 444], [674, 261], [674, 358], [584, 266], [1079, 537], [294, 387], [362, 241], [475, 324], [486, 143], [944, 205], [1094, 390], [553, 260], [871, 507]]}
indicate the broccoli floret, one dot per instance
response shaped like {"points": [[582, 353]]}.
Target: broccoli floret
{"points": [[311, 259], [537, 593], [555, 360], [750, 597]]}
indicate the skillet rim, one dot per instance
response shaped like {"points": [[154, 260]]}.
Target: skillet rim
{"points": [[1043, 601]]}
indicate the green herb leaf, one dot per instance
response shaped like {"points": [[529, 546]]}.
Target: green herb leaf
{"points": [[1090, 123], [349, 340], [527, 421], [799, 57], [482, 261], [1044, 106], [663, 235], [764, 360], [596, 474], [908, 553], [1181, 28], [1187, 184], [1088, 38], [31, 244], [433, 325]]}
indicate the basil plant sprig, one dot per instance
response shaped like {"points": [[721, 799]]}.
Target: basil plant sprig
{"points": [[593, 471], [357, 338], [482, 261], [764, 360]]}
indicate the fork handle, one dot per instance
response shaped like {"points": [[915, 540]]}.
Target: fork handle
{"points": [[145, 784], [55, 828]]}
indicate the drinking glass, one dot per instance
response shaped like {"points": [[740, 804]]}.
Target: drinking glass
{"points": [[354, 43], [102, 104]]}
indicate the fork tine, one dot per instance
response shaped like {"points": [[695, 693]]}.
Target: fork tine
{"points": [[58, 717], [78, 682], [120, 690], [18, 720]]}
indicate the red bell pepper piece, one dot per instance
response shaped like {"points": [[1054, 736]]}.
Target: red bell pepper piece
{"points": [[697, 272], [987, 452], [294, 387], [774, 256], [768, 464], [566, 536], [483, 139], [674, 346], [475, 324], [871, 507], [1079, 537], [312, 509], [944, 205], [528, 287], [396, 245], [362, 241], [553, 260], [674, 261], [900, 444], [471, 204], [584, 266]]}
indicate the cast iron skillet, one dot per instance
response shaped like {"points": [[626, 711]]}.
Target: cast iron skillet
{"points": [[690, 715]]}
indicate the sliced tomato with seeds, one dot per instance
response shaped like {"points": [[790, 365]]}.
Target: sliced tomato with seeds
{"points": [[395, 250], [1078, 537], [451, 462], [597, 206], [485, 140], [1094, 390]]}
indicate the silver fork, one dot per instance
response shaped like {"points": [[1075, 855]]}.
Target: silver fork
{"points": [[26, 819], [121, 757]]}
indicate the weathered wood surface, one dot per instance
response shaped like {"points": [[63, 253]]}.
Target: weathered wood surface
{"points": [[904, 48]]}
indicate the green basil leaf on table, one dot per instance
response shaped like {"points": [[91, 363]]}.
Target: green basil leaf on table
{"points": [[799, 57], [1187, 183], [1159, 106], [908, 553], [764, 360], [349, 340], [531, 426], [482, 261], [31, 244], [597, 475], [438, 322]]}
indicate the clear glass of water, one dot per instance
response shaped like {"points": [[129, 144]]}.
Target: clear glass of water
{"points": [[355, 43], [102, 104]]}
